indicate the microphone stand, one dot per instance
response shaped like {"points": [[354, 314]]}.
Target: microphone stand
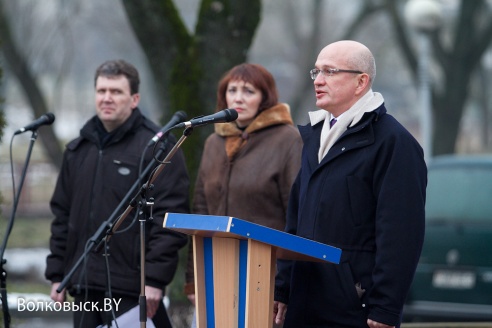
{"points": [[142, 301], [3, 273], [108, 228]]}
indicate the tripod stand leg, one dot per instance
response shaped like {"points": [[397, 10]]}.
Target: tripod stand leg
{"points": [[3, 296]]}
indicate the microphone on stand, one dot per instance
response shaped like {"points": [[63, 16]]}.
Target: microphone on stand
{"points": [[225, 115], [46, 119], [178, 117]]}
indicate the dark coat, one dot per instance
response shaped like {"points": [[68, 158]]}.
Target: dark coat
{"points": [[367, 197], [94, 178]]}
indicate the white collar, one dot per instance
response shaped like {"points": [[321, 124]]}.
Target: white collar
{"points": [[369, 102]]}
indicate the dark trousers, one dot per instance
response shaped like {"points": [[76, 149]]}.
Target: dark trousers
{"points": [[96, 310]]}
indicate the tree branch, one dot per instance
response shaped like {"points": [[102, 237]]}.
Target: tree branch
{"points": [[18, 65]]}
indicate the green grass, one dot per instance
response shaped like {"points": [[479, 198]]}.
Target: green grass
{"points": [[35, 232], [27, 287], [26, 232]]}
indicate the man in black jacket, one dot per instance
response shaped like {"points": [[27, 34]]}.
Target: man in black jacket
{"points": [[99, 168], [362, 188]]}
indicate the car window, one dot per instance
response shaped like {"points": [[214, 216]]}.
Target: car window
{"points": [[459, 193]]}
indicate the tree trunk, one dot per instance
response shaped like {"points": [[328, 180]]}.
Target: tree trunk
{"points": [[21, 71], [187, 67], [457, 61]]}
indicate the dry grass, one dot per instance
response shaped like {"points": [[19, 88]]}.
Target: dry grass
{"points": [[26, 232]]}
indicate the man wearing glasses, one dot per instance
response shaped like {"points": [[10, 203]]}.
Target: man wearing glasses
{"points": [[361, 188]]}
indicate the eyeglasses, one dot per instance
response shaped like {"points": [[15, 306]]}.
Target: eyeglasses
{"points": [[330, 71]]}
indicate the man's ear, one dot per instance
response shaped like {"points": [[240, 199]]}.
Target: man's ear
{"points": [[135, 100], [362, 82]]}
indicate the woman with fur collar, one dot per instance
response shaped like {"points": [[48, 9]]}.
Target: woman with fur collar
{"points": [[248, 166]]}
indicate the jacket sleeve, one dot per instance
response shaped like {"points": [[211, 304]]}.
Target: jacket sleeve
{"points": [[289, 192], [60, 207], [199, 207], [171, 194], [199, 199], [292, 162], [284, 267], [400, 180]]}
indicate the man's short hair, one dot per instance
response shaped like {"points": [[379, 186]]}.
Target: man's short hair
{"points": [[112, 68]]}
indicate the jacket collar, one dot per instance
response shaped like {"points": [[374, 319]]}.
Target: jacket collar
{"points": [[308, 130], [369, 102], [311, 137], [278, 114], [236, 138], [90, 130]]}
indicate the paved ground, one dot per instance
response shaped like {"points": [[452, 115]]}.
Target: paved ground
{"points": [[181, 317], [41, 322], [30, 263]]}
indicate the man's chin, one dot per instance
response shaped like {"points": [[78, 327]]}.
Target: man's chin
{"points": [[106, 117], [320, 104]]}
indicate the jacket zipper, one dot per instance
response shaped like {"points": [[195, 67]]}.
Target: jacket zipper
{"points": [[92, 196]]}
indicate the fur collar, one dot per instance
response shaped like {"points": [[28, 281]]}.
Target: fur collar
{"points": [[278, 114], [236, 138]]}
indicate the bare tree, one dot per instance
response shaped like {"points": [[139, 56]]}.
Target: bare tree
{"points": [[457, 49], [318, 37], [187, 66], [309, 45], [458, 60], [19, 67]]}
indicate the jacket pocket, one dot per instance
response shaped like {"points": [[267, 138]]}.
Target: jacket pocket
{"points": [[121, 172], [348, 285]]}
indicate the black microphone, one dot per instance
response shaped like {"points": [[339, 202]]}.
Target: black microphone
{"points": [[177, 118], [225, 115], [46, 119]]}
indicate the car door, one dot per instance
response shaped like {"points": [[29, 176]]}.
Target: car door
{"points": [[454, 275]]}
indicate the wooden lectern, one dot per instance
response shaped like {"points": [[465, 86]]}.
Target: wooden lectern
{"points": [[235, 267]]}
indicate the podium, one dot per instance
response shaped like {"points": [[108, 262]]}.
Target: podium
{"points": [[235, 267]]}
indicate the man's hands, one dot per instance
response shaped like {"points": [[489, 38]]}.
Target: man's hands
{"points": [[374, 324], [279, 311], [55, 296], [191, 298], [153, 296]]}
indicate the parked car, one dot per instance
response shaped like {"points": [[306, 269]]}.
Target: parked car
{"points": [[453, 281]]}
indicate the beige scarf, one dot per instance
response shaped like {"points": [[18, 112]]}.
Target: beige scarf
{"points": [[236, 138], [369, 102]]}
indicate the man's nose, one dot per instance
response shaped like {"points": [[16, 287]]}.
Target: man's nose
{"points": [[107, 96], [320, 79]]}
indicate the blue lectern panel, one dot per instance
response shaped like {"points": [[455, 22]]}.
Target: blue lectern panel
{"points": [[209, 280], [243, 279], [285, 241], [210, 225], [200, 223]]}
